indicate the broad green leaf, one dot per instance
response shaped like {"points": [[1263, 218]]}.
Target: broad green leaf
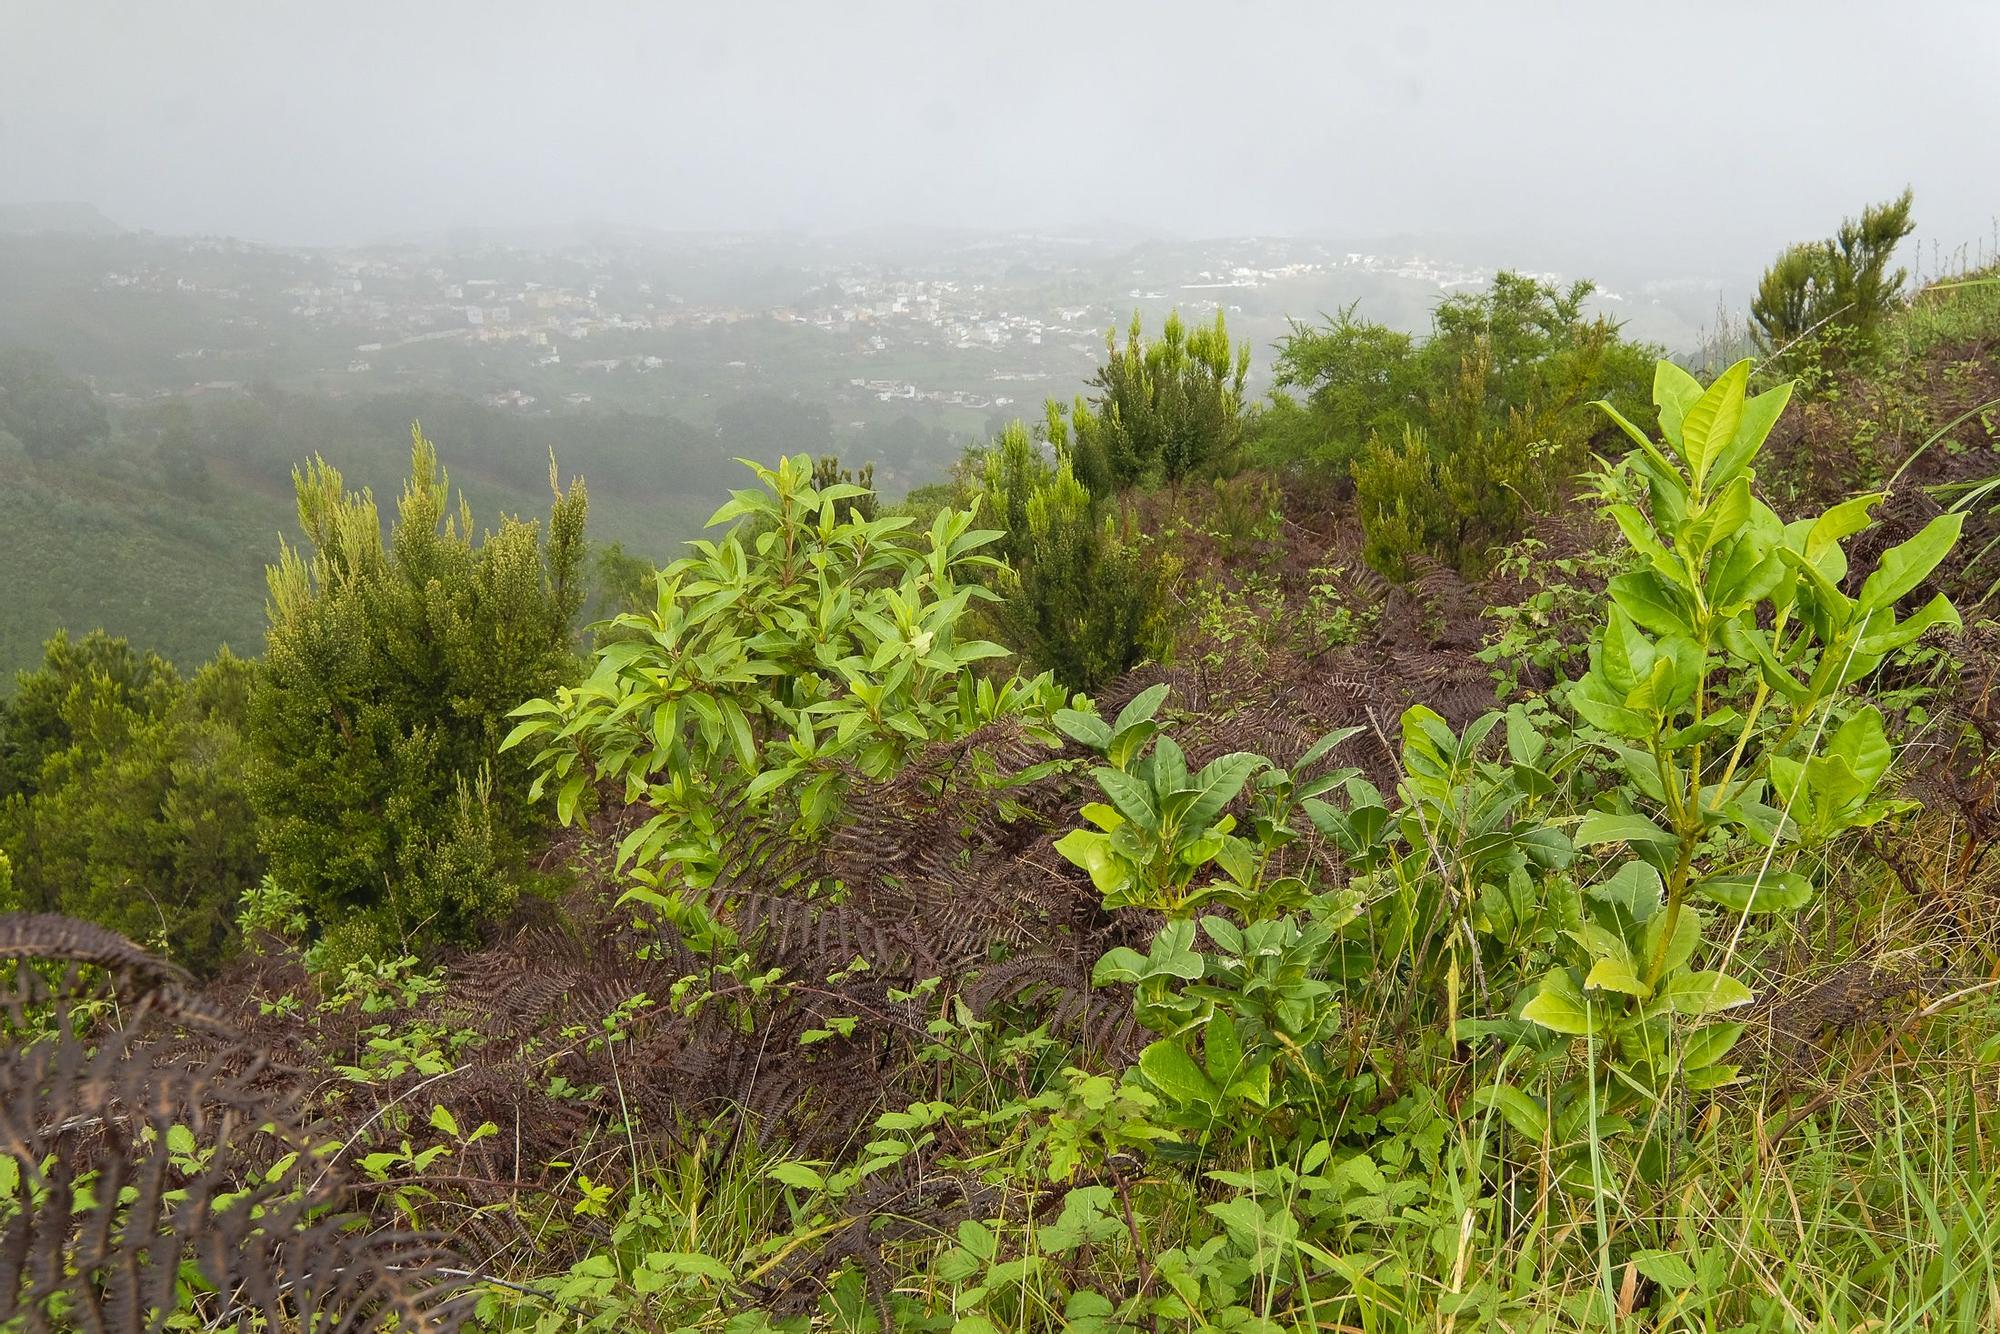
{"points": [[1133, 798], [1746, 640], [1663, 473], [1760, 415], [1560, 1006], [1711, 422], [1121, 964], [1904, 566], [1092, 851], [1216, 786], [1634, 892], [740, 736], [1323, 745], [1704, 993], [1625, 655], [1142, 708], [1639, 533], [977, 1238], [1169, 766], [1751, 572], [1781, 891], [1680, 948], [1599, 827], [1616, 975], [1649, 600], [1860, 741], [1727, 510], [1600, 942], [1224, 933], [1608, 715], [1172, 953], [796, 1174], [1222, 1050], [1839, 523], [691, 1263], [1833, 783], [1714, 1076], [1084, 728], [1938, 611], [1665, 1268], [1168, 1068], [522, 731], [1674, 392], [1517, 1109], [1708, 1044], [1252, 1084]]}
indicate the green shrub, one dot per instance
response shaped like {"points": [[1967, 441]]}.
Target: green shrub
{"points": [[1164, 409], [770, 673], [388, 676], [131, 807], [1833, 287], [1083, 597], [1400, 495], [1455, 442], [1720, 681], [1088, 601]]}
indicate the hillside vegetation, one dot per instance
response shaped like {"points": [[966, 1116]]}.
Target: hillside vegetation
{"points": [[182, 498], [1497, 837]]}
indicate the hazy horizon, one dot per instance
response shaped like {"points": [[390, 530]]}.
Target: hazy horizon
{"points": [[1508, 124]]}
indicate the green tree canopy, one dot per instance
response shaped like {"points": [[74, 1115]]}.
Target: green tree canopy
{"points": [[50, 413], [389, 671], [34, 723], [1842, 282], [129, 804], [1453, 439], [1163, 409]]}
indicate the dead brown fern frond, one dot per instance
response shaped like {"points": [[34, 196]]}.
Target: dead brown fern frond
{"points": [[141, 1136]]}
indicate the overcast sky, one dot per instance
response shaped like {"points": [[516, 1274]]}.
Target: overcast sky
{"points": [[1686, 128]]}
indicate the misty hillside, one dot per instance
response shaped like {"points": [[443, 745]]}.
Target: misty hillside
{"points": [[646, 362], [71, 218], [190, 555]]}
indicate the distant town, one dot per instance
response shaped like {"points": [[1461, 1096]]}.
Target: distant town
{"points": [[957, 331]]}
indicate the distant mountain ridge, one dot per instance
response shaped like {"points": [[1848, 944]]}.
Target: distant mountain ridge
{"points": [[67, 217]]}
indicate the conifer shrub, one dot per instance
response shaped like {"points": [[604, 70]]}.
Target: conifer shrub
{"points": [[390, 668], [1838, 291], [1162, 410], [1083, 596]]}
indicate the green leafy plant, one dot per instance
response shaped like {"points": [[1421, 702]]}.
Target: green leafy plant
{"points": [[382, 796], [1164, 825], [1718, 681], [801, 646]]}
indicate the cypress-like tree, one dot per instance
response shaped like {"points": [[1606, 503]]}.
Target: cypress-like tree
{"points": [[1842, 282], [1083, 599], [389, 672], [1164, 409], [127, 801]]}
